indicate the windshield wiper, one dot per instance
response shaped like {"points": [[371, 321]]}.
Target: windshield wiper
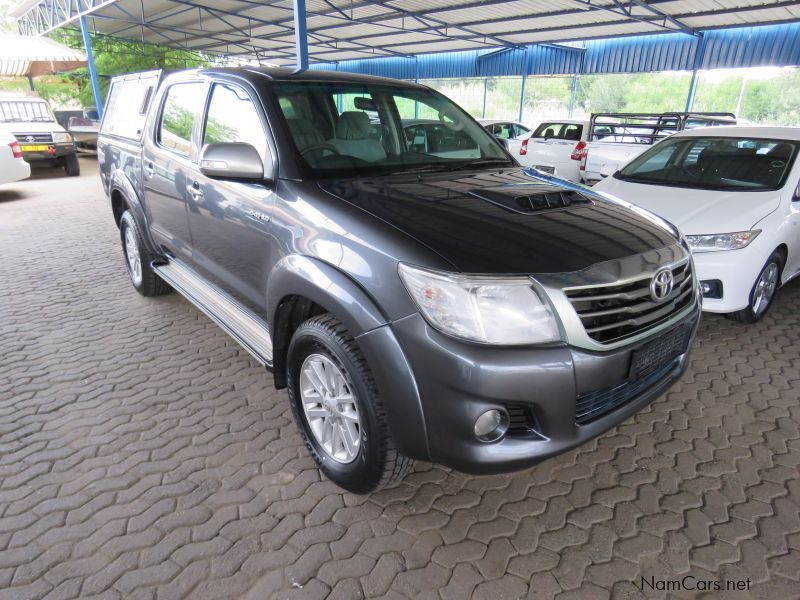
{"points": [[482, 162], [430, 168]]}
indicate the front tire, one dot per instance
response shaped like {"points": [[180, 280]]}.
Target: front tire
{"points": [[72, 166], [338, 409], [138, 259], [763, 293]]}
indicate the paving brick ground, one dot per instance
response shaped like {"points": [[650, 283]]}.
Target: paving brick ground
{"points": [[143, 454]]}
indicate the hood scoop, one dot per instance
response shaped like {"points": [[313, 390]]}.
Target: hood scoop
{"points": [[527, 200]]}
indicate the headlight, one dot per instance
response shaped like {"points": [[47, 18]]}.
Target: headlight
{"points": [[61, 137], [491, 310], [722, 241]]}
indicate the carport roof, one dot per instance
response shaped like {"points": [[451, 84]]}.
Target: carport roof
{"points": [[341, 30]]}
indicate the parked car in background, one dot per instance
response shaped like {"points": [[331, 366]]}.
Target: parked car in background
{"points": [[82, 125], [504, 130], [42, 140], [614, 139], [63, 116], [735, 194], [430, 136], [553, 147], [431, 301], [12, 166]]}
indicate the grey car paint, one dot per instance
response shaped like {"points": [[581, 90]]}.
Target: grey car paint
{"points": [[269, 243]]}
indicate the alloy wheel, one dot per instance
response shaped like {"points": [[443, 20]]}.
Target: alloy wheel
{"points": [[765, 288], [132, 255], [329, 405]]}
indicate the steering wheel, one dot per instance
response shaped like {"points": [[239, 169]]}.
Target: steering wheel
{"points": [[320, 146]]}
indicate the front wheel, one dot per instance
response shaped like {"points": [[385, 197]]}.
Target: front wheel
{"points": [[338, 409], [763, 293]]}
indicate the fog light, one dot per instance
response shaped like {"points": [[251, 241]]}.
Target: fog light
{"points": [[711, 288], [491, 425]]}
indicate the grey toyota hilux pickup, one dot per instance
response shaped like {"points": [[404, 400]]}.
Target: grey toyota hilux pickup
{"points": [[419, 294]]}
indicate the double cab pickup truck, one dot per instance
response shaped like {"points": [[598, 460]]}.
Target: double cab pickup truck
{"points": [[416, 304]]}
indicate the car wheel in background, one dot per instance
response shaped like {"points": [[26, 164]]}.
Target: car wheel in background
{"points": [[338, 409], [763, 293], [71, 165], [138, 259]]}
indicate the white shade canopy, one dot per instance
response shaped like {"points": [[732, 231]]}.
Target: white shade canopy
{"points": [[24, 55]]}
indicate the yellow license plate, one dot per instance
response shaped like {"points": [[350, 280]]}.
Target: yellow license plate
{"points": [[34, 147]]}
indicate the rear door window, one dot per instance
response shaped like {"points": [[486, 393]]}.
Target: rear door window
{"points": [[181, 107], [504, 131], [520, 130]]}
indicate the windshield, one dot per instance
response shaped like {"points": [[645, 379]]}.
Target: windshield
{"points": [[714, 163], [24, 111], [352, 129]]}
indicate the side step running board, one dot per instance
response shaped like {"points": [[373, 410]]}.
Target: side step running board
{"points": [[239, 322]]}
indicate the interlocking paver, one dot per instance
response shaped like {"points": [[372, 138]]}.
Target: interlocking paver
{"points": [[143, 454]]}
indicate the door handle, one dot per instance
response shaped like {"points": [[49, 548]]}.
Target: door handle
{"points": [[149, 170], [194, 190]]}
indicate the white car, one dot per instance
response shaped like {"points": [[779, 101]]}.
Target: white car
{"points": [[733, 192], [12, 166], [554, 147], [504, 130]]}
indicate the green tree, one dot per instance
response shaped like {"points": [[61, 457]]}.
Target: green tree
{"points": [[113, 56]]}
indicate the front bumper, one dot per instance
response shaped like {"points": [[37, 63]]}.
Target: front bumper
{"points": [[736, 269], [459, 381]]}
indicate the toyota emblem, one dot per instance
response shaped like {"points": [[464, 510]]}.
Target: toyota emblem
{"points": [[30, 138], [662, 284]]}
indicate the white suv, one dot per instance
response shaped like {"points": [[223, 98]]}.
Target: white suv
{"points": [[41, 139]]}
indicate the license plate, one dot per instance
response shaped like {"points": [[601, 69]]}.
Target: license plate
{"points": [[545, 169], [659, 352], [34, 147]]}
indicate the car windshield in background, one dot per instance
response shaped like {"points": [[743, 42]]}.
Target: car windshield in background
{"points": [[24, 111], [351, 129], [714, 163], [559, 131]]}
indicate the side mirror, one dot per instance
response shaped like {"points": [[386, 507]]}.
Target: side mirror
{"points": [[231, 160], [607, 170], [796, 197]]}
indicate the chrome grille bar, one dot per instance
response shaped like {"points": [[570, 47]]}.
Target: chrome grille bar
{"points": [[614, 311]]}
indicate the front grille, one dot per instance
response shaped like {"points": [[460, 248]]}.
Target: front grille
{"points": [[34, 138], [612, 312], [596, 404], [521, 420]]}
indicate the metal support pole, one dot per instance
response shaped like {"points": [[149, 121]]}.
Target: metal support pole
{"points": [[87, 44], [692, 91], [30, 83], [485, 90], [416, 80], [300, 34], [573, 94], [522, 91], [698, 62], [741, 96]]}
